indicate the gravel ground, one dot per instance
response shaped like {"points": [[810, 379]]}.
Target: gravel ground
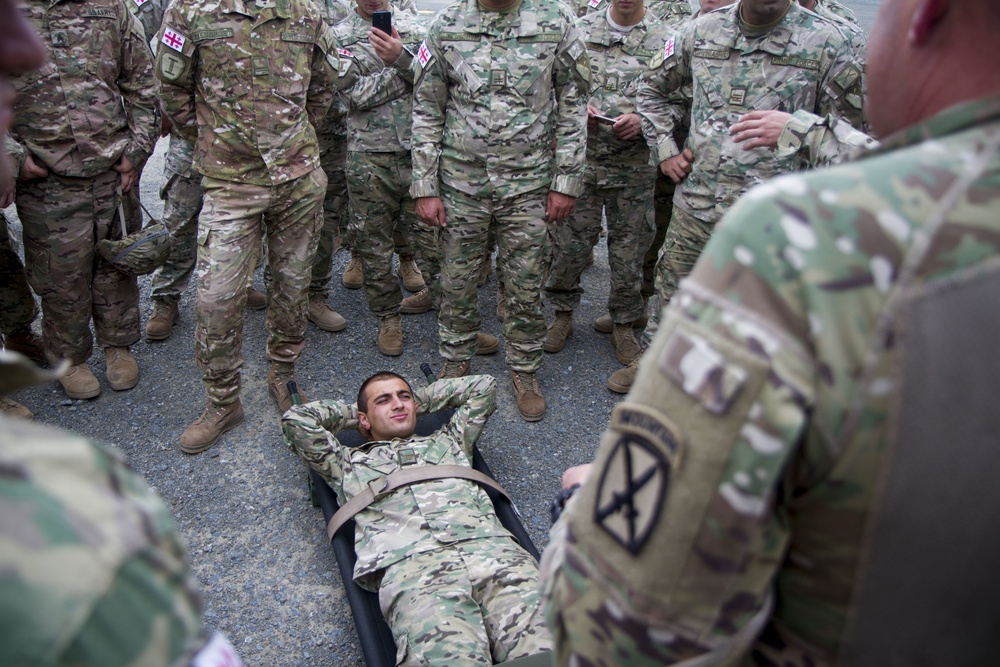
{"points": [[257, 546]]}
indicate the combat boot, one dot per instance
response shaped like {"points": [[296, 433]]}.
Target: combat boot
{"points": [[121, 368], [605, 325], [454, 369], [417, 303], [501, 301], [277, 385], [627, 348], [323, 316], [390, 336], [530, 403], [11, 408], [256, 300], [353, 277], [623, 378], [213, 422], [488, 344], [80, 382], [484, 273], [560, 329], [162, 320], [410, 274], [24, 341]]}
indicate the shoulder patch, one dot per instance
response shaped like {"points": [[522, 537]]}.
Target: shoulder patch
{"points": [[345, 52], [668, 47], [140, 3], [593, 3], [173, 39], [424, 54]]}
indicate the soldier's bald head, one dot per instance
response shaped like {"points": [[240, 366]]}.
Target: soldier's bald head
{"points": [[927, 55]]}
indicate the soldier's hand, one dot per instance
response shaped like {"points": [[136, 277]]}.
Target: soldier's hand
{"points": [[388, 47], [431, 211], [679, 166], [165, 125], [576, 475], [559, 206], [7, 197], [627, 126], [128, 171], [759, 128], [591, 121], [31, 170]]}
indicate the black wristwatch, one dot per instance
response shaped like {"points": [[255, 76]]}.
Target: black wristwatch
{"points": [[559, 502]]}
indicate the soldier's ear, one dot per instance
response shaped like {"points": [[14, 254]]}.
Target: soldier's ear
{"points": [[928, 15], [363, 422]]}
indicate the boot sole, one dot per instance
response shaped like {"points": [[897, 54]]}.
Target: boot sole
{"points": [[353, 285], [391, 352], [225, 429], [164, 336], [125, 386], [333, 329], [410, 310], [531, 418], [625, 361], [79, 395], [617, 388]]}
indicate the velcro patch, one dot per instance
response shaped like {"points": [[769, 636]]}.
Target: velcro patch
{"points": [[345, 52], [140, 3], [704, 373], [173, 39], [593, 3], [791, 61], [738, 96], [424, 54], [171, 67], [668, 48]]}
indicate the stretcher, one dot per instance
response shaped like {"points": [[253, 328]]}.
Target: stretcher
{"points": [[376, 639]]}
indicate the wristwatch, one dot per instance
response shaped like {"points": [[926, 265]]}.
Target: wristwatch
{"points": [[559, 502]]}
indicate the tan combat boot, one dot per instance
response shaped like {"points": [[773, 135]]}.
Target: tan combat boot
{"points": [[417, 303], [627, 347], [11, 408], [560, 329], [162, 320], [605, 325], [121, 368], [501, 301], [213, 422], [623, 378], [353, 277], [256, 300], [323, 316], [488, 344], [410, 274], [454, 369], [390, 336], [277, 385], [27, 343], [530, 403], [80, 382]]}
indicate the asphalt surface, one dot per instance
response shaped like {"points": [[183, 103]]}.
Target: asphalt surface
{"points": [[257, 546]]}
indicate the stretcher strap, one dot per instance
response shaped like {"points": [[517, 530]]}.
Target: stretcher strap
{"points": [[386, 484]]}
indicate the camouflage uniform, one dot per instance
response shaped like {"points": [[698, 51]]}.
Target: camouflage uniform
{"points": [[17, 304], [149, 13], [255, 145], [181, 194], [711, 74], [619, 177], [493, 89], [69, 115], [798, 457], [378, 159], [434, 550], [671, 12]]}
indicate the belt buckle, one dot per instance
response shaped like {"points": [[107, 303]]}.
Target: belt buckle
{"points": [[379, 486]]}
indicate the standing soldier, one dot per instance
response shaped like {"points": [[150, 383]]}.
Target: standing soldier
{"points": [[248, 86], [498, 82], [87, 121]]}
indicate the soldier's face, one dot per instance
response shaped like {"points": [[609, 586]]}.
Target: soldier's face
{"points": [[709, 5], [763, 11], [391, 413], [366, 7]]}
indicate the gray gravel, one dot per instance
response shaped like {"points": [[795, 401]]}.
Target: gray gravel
{"points": [[257, 545]]}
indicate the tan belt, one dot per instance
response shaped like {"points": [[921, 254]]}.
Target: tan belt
{"points": [[382, 486]]}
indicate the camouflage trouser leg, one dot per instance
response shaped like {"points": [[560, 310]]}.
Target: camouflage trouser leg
{"points": [[17, 304], [686, 239], [63, 219], [400, 244], [663, 205], [472, 603], [234, 218], [182, 204], [630, 230], [333, 236], [522, 262]]}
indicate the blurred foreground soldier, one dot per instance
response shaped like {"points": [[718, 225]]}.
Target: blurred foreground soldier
{"points": [[93, 570], [499, 83], [804, 472], [85, 122], [247, 87], [20, 51], [453, 585]]}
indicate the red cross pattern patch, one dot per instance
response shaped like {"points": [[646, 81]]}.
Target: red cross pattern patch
{"points": [[668, 48], [593, 3], [140, 3], [173, 39], [424, 54], [345, 52]]}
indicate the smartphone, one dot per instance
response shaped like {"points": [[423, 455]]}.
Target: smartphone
{"points": [[605, 120], [383, 21]]}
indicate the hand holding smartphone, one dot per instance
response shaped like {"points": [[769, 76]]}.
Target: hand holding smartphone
{"points": [[382, 20]]}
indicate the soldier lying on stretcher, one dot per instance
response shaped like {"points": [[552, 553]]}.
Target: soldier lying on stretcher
{"points": [[453, 585]]}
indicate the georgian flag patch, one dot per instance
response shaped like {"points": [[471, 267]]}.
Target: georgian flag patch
{"points": [[140, 3], [345, 52], [668, 48], [424, 54], [593, 3], [173, 39]]}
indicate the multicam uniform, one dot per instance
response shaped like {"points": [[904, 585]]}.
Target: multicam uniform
{"points": [[435, 552], [493, 89], [247, 85], [17, 304], [378, 159], [711, 74], [671, 12], [787, 431], [619, 178], [69, 114]]}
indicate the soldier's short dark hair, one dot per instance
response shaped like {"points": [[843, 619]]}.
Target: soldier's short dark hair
{"points": [[378, 377]]}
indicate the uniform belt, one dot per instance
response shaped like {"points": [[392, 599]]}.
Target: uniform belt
{"points": [[383, 485]]}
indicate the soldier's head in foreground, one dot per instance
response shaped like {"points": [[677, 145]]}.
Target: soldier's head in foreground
{"points": [[386, 408]]}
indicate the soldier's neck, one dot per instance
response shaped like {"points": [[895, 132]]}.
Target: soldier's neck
{"points": [[499, 5], [754, 25], [808, 4]]}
